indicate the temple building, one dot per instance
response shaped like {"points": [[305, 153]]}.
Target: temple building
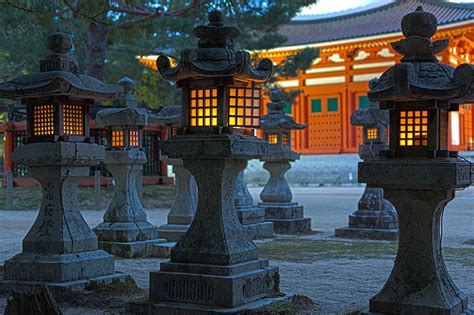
{"points": [[353, 49]]}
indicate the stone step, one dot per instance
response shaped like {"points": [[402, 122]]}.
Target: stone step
{"points": [[163, 250]]}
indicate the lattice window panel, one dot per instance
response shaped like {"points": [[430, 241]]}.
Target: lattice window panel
{"points": [[273, 139], [43, 120], [203, 108], [73, 120], [134, 138], [244, 107], [285, 139], [117, 138], [413, 128], [372, 134]]}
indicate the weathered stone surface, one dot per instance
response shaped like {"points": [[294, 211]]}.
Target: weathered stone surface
{"points": [[60, 247], [250, 216], [125, 231], [182, 213], [226, 286]]}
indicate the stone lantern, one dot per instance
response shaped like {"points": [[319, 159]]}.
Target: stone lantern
{"points": [[125, 231], [215, 265], [376, 217], [287, 216], [251, 217], [182, 212], [418, 173], [60, 249]]}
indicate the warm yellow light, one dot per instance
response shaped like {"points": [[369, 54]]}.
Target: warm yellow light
{"points": [[411, 122], [372, 134], [285, 139], [134, 138], [244, 107], [273, 139], [73, 120], [117, 138], [43, 120], [206, 103]]}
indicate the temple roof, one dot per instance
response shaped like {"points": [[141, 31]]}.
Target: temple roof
{"points": [[276, 118], [377, 21], [59, 74], [215, 56]]}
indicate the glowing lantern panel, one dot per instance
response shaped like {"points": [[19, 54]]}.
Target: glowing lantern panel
{"points": [[372, 134], [203, 108], [43, 120], [134, 138], [244, 107], [413, 127], [117, 138], [273, 139], [73, 117]]}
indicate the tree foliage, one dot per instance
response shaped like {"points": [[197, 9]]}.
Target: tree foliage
{"points": [[109, 35]]}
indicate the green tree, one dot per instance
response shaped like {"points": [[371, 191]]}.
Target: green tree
{"points": [[109, 35]]}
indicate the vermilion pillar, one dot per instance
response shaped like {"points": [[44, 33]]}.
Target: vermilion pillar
{"points": [[8, 146]]}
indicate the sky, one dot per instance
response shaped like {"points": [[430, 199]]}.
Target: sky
{"points": [[333, 7]]}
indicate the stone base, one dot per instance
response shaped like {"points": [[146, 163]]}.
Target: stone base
{"points": [[367, 233], [6, 286], [148, 308], [163, 250], [172, 232], [126, 231], [131, 249], [287, 218], [259, 230], [214, 285], [46, 267], [252, 219]]}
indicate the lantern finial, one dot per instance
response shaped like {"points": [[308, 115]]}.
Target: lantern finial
{"points": [[418, 27], [62, 57], [128, 85], [59, 43]]}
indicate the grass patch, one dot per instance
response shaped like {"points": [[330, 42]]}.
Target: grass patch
{"points": [[296, 305], [306, 250], [469, 242], [29, 198]]}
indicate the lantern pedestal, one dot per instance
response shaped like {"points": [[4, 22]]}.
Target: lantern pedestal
{"points": [[376, 218], [181, 214], [251, 217], [125, 231], [215, 263], [419, 189], [60, 249], [286, 216]]}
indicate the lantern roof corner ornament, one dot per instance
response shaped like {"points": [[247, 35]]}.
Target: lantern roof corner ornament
{"points": [[59, 75], [276, 117], [215, 56]]}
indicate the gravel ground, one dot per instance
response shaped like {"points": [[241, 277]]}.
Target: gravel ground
{"points": [[336, 285]]}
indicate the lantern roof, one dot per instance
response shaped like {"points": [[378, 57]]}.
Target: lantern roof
{"points": [[419, 76], [59, 75], [127, 113], [168, 115], [276, 117], [215, 56], [370, 116]]}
